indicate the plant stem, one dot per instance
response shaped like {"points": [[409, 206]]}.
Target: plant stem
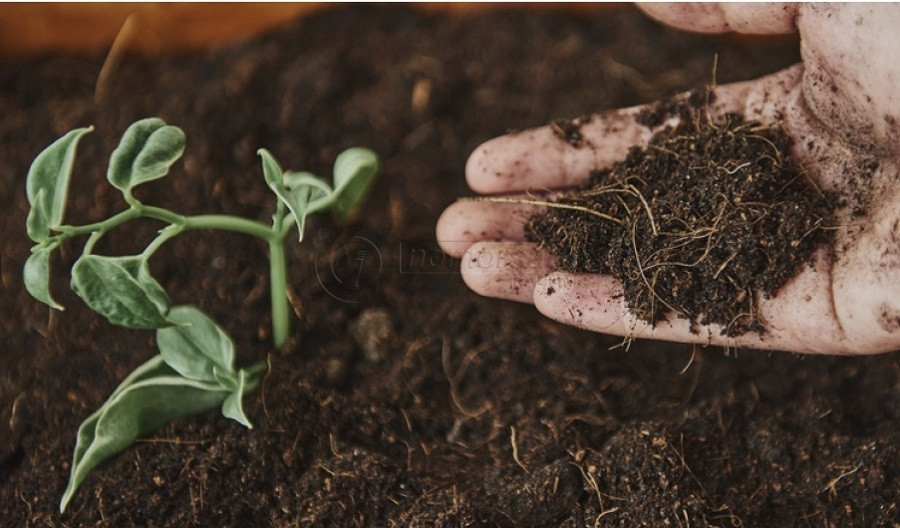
{"points": [[220, 222], [281, 320], [111, 222], [254, 374], [274, 235], [171, 231]]}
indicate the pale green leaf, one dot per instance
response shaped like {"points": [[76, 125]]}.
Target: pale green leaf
{"points": [[147, 150], [151, 287], [271, 169], [154, 367], [196, 345], [37, 224], [354, 173], [294, 180], [233, 406], [37, 276], [302, 192], [245, 382], [141, 405], [226, 378], [50, 173], [122, 290]]}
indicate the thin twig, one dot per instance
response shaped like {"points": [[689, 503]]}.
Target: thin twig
{"points": [[515, 448], [543, 203], [646, 206], [832, 485], [113, 57], [637, 258]]}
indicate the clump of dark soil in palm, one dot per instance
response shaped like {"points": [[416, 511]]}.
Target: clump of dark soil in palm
{"points": [[707, 217]]}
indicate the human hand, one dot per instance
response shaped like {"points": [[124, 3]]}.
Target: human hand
{"points": [[842, 109]]}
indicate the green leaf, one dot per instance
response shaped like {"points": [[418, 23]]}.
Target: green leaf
{"points": [[226, 378], [47, 184], [245, 382], [320, 194], [147, 150], [271, 169], [196, 346], [154, 367], [37, 276], [302, 192], [152, 396], [233, 406], [354, 173], [37, 225], [122, 290], [305, 194], [296, 180]]}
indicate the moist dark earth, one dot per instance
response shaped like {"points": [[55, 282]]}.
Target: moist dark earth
{"points": [[404, 399], [707, 219]]}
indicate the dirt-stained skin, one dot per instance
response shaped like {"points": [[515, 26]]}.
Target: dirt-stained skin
{"points": [[841, 107]]}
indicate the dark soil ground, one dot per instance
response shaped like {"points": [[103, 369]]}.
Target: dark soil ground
{"points": [[418, 403], [710, 216]]}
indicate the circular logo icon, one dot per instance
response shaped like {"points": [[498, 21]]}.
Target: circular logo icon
{"points": [[348, 267]]}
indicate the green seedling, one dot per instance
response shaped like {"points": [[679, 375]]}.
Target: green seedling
{"points": [[194, 370]]}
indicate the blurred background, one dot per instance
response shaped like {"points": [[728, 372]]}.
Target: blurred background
{"points": [[152, 28]]}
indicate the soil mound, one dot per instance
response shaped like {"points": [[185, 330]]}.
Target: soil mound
{"points": [[710, 215]]}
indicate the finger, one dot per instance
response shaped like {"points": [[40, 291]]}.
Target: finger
{"points": [[468, 221], [715, 17], [541, 159], [800, 318], [505, 270], [597, 303]]}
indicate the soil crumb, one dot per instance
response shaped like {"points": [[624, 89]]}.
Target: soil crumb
{"points": [[707, 217], [569, 130], [682, 106]]}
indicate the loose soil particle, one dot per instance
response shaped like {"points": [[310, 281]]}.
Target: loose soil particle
{"points": [[699, 222], [414, 427]]}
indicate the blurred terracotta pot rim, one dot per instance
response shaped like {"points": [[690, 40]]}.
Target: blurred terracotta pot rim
{"points": [[154, 28], [144, 28]]}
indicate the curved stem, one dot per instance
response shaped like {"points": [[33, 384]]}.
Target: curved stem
{"points": [[130, 199], [254, 374], [220, 222], [214, 221], [92, 240], [169, 232], [274, 235], [67, 231]]}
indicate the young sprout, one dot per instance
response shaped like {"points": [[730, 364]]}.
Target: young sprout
{"points": [[194, 370]]}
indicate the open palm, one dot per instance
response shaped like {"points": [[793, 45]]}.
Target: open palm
{"points": [[843, 111]]}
